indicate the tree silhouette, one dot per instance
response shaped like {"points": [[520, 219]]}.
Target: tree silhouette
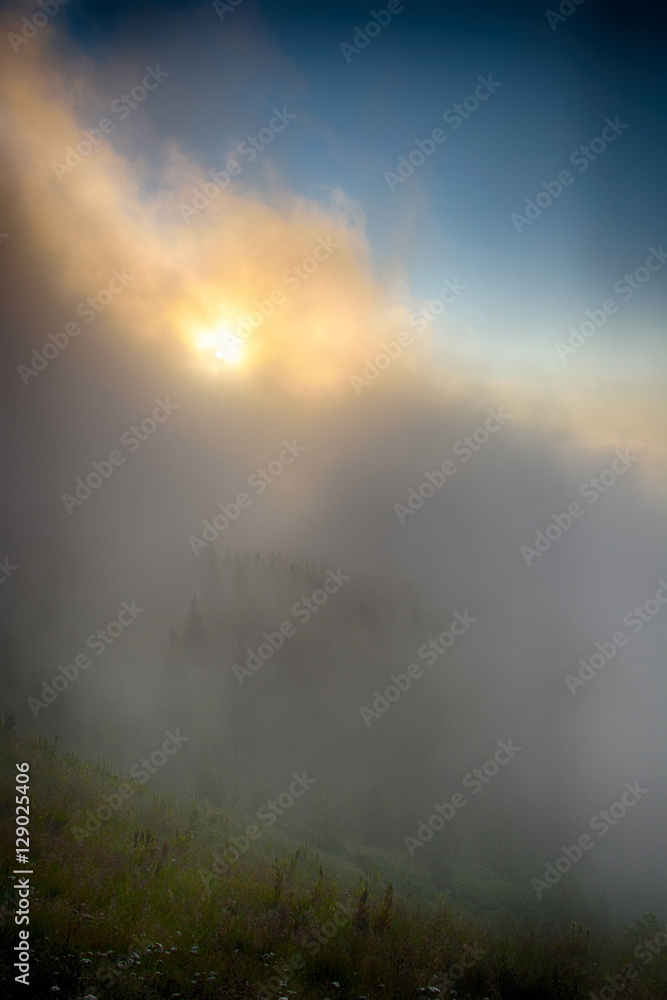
{"points": [[195, 639]]}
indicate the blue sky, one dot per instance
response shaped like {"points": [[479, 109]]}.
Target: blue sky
{"points": [[452, 217], [360, 113]]}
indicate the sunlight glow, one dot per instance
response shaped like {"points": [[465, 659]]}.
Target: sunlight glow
{"points": [[226, 345]]}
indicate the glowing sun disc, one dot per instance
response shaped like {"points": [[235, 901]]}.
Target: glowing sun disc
{"points": [[226, 345]]}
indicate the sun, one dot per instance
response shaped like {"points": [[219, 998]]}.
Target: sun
{"points": [[225, 344]]}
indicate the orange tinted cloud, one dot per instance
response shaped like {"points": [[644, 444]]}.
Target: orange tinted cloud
{"points": [[293, 273]]}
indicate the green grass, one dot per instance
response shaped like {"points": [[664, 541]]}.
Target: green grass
{"points": [[134, 911]]}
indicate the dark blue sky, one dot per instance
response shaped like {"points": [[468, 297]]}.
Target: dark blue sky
{"points": [[453, 216]]}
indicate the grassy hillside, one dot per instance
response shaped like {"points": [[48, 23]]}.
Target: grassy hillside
{"points": [[133, 907]]}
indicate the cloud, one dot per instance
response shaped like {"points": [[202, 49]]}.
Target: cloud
{"points": [[247, 252], [194, 281], [116, 210]]}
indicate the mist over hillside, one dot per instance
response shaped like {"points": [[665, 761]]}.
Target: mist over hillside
{"points": [[332, 565], [268, 664]]}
